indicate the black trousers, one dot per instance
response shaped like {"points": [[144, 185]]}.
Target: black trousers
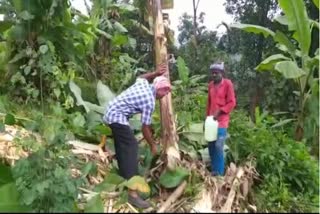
{"points": [[126, 148]]}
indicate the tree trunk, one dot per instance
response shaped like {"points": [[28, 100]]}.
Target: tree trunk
{"points": [[195, 23], [169, 138], [195, 27]]}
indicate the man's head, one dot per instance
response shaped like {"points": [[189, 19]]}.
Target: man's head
{"points": [[216, 72], [162, 86]]}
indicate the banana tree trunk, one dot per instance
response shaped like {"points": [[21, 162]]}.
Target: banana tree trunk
{"points": [[169, 138]]}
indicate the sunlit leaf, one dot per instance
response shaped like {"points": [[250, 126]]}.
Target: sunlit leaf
{"points": [[43, 49], [183, 70], [282, 20], [254, 29], [283, 122], [77, 93], [268, 63], [25, 15], [289, 69], [298, 21], [119, 27], [138, 183], [104, 94], [283, 39]]}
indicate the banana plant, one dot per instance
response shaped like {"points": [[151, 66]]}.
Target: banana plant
{"points": [[294, 60], [95, 112]]}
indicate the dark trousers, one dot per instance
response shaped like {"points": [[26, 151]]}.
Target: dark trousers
{"points": [[126, 148]]}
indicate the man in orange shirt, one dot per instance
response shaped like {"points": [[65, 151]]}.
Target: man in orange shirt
{"points": [[221, 101]]}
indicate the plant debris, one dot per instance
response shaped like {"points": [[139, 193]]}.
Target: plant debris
{"points": [[215, 194]]}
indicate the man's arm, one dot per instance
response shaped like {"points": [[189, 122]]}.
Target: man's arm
{"points": [[147, 134], [158, 72], [231, 100]]}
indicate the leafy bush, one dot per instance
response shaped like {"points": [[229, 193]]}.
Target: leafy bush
{"points": [[281, 161], [45, 183]]}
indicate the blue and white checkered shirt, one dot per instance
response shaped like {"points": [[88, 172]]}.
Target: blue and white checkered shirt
{"points": [[139, 98]]}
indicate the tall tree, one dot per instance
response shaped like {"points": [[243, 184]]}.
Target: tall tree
{"points": [[252, 47], [195, 28]]}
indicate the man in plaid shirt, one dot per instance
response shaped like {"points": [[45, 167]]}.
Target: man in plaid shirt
{"points": [[139, 98]]}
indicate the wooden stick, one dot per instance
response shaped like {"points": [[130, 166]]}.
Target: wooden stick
{"points": [[110, 206], [173, 197], [226, 208], [132, 208]]}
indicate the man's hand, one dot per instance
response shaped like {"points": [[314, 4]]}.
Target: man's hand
{"points": [[216, 114], [153, 148], [147, 134], [161, 69]]}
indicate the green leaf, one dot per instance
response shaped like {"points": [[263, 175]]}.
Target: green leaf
{"points": [[135, 122], [205, 157], [77, 93], [5, 174], [283, 122], [171, 179], [25, 15], [104, 94], [110, 183], [253, 29], [18, 4], [94, 205], [57, 92], [127, 7], [194, 133], [5, 25], [119, 39], [93, 119], [78, 120], [268, 63], [282, 20], [18, 32], [102, 129], [141, 27], [18, 56], [138, 183], [94, 107], [283, 39], [119, 27], [43, 49], [132, 42], [316, 3], [289, 69], [183, 70], [27, 69], [89, 168], [105, 34], [9, 119], [9, 200], [298, 21]]}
